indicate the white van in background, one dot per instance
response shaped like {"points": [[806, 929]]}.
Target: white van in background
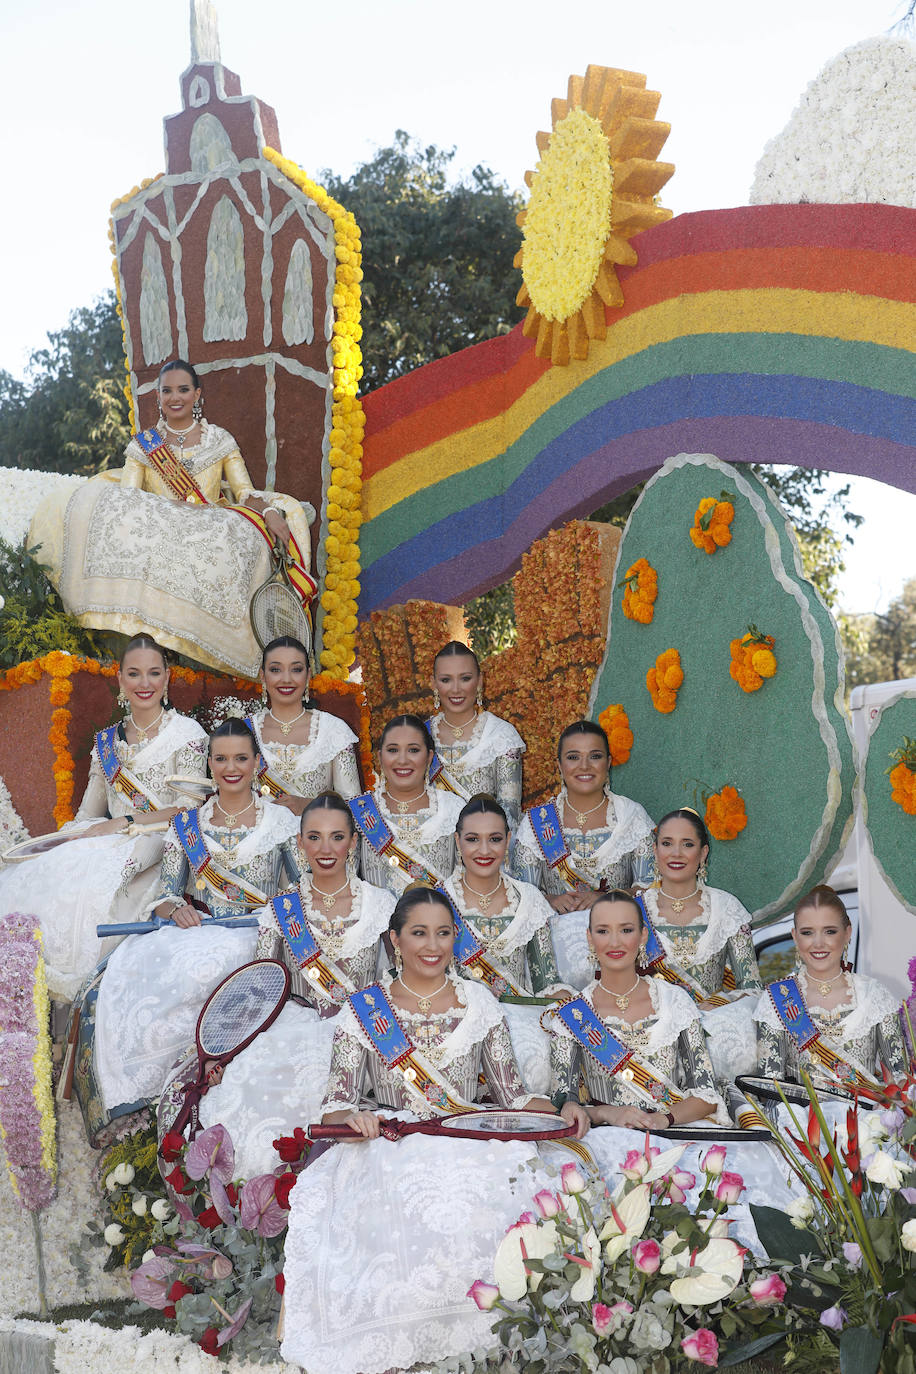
{"points": [[883, 931]]}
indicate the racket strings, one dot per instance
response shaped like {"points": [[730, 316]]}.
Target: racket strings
{"points": [[276, 610], [239, 1008]]}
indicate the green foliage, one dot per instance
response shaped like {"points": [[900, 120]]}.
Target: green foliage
{"points": [[490, 619], [71, 415], [33, 621], [882, 648], [437, 257]]}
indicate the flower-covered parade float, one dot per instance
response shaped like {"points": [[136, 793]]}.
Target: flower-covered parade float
{"points": [[670, 351]]}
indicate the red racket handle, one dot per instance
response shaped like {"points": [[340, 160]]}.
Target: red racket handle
{"points": [[391, 1130], [333, 1133]]}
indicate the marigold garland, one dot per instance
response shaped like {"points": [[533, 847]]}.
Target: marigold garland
{"points": [[752, 659], [711, 523], [339, 599], [903, 776], [615, 723], [640, 589], [28, 1125], [664, 681], [726, 815]]}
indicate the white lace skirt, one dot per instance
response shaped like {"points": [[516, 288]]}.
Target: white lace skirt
{"points": [[385, 1238], [274, 1085], [531, 1045], [75, 887], [568, 932], [149, 1001]]}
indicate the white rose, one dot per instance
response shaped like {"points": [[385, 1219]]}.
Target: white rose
{"points": [[138, 1206], [110, 1183], [161, 1209], [123, 1174], [885, 1171], [113, 1234], [800, 1211], [908, 1234]]}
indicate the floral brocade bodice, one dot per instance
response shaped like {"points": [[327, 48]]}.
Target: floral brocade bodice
{"points": [[358, 1072], [616, 854], [179, 749], [531, 963], [255, 855], [488, 760], [427, 836], [721, 937], [326, 761]]}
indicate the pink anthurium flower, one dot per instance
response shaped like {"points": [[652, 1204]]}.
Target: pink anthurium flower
{"points": [[152, 1280], [211, 1153], [259, 1209]]}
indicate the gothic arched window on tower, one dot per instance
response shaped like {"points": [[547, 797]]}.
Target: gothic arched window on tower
{"points": [[225, 312], [298, 310], [155, 324], [210, 146]]}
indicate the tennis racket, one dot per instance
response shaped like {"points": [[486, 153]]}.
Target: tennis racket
{"points": [[237, 1010], [40, 844], [487, 1124], [697, 1131], [277, 610], [793, 1092]]}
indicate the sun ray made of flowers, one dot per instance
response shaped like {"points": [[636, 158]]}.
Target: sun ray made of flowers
{"points": [[595, 186]]}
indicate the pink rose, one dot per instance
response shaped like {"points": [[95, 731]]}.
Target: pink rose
{"points": [[484, 1294], [647, 1256], [767, 1292], [572, 1180], [636, 1163], [702, 1346], [730, 1188], [547, 1203], [603, 1316], [713, 1162]]}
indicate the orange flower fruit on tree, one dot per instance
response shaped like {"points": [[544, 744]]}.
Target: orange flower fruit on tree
{"points": [[664, 681], [752, 659], [711, 528], [615, 723], [640, 589], [725, 815], [903, 776]]}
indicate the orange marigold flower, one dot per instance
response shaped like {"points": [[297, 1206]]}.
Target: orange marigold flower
{"points": [[640, 589], [664, 680], [725, 815], [616, 725], [710, 529]]}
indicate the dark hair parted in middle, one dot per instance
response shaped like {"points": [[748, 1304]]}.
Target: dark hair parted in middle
{"points": [[413, 723], [415, 897], [582, 727], [693, 819], [329, 801], [617, 894], [233, 726], [481, 804]]}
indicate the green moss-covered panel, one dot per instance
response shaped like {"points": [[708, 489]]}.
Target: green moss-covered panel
{"points": [[891, 832], [785, 747]]}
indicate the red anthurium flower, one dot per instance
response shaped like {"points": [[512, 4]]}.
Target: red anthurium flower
{"points": [[814, 1129]]}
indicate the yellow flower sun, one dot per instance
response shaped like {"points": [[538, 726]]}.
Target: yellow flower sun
{"points": [[593, 189]]}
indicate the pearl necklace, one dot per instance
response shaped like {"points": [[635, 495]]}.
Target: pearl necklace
{"points": [[622, 999], [403, 805], [423, 1003], [287, 725], [678, 903], [180, 434], [143, 731], [484, 898]]}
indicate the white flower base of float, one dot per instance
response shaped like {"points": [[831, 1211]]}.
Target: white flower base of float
{"points": [[12, 828], [22, 489], [851, 136]]}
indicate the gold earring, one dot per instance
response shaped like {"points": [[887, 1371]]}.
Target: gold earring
{"points": [[656, 875], [398, 962], [351, 864], [436, 702], [702, 872], [480, 694], [122, 697], [264, 696]]}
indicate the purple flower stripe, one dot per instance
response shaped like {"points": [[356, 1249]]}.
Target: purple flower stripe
{"points": [[19, 1114]]}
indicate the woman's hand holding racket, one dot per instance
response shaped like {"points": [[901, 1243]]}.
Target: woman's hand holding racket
{"points": [[575, 1115]]}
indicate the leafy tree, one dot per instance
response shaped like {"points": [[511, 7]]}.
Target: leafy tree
{"points": [[437, 258], [882, 648], [71, 415]]}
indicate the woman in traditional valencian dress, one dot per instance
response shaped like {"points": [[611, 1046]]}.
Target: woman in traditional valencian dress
{"points": [[669, 1078], [327, 932], [177, 540], [508, 922], [305, 751], [851, 1021], [382, 1236], [106, 872], [407, 825], [706, 935], [475, 750], [224, 859], [586, 839]]}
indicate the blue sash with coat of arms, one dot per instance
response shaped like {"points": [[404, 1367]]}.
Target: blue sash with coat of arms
{"points": [[115, 774], [794, 1016]]}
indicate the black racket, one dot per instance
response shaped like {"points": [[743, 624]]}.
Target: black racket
{"points": [[697, 1131], [237, 1010], [793, 1092]]}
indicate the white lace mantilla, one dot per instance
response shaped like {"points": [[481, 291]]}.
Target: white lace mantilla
{"points": [[532, 911], [722, 914], [674, 1008], [629, 822], [215, 444], [869, 1003], [331, 736], [274, 825], [478, 1008], [439, 820], [371, 907], [492, 738]]}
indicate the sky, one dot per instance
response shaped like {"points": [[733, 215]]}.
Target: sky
{"points": [[85, 88]]}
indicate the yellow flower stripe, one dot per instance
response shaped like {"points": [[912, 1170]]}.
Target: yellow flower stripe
{"points": [[41, 1065], [344, 496]]}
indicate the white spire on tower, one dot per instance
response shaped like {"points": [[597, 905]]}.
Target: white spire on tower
{"points": [[204, 32]]}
